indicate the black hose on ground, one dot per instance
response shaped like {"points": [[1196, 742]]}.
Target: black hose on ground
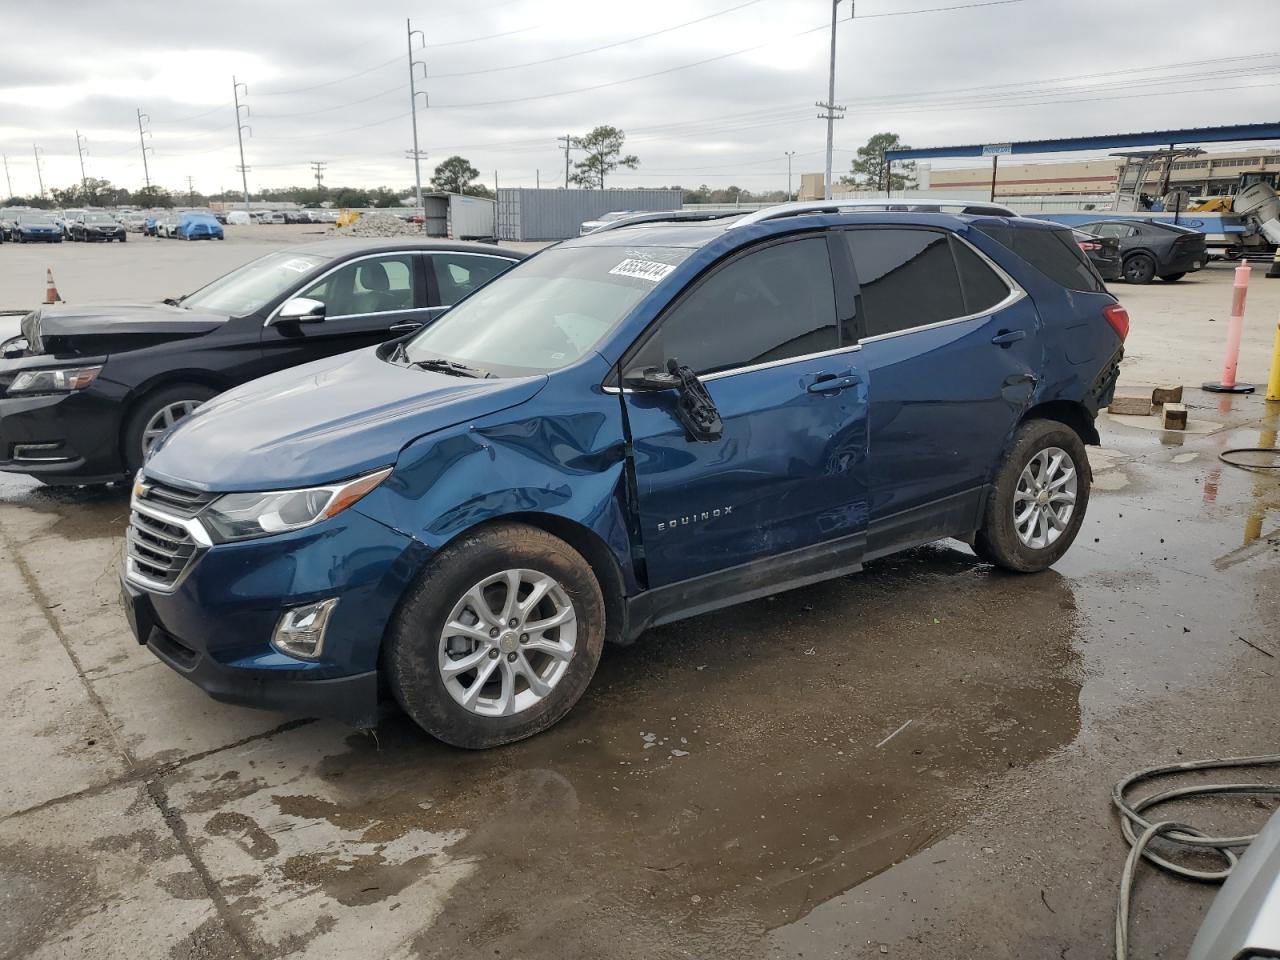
{"points": [[1140, 832], [1225, 455]]}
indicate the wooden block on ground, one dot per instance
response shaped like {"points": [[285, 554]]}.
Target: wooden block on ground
{"points": [[1137, 406], [1166, 394], [1175, 416]]}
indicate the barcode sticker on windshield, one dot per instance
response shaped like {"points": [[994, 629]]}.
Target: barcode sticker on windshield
{"points": [[650, 270]]}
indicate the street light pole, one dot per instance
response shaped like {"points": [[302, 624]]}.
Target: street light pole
{"points": [[8, 183], [241, 127], [413, 112], [789, 154]]}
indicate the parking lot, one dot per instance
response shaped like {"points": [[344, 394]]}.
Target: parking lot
{"points": [[913, 761]]}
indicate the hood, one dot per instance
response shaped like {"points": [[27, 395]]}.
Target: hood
{"points": [[321, 422], [97, 330]]}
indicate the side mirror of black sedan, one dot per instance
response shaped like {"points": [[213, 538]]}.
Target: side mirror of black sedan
{"points": [[301, 310]]}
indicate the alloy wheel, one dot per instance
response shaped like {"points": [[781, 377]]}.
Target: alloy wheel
{"points": [[507, 642], [163, 419], [1045, 498]]}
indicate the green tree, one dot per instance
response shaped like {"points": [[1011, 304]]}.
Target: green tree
{"points": [[455, 175], [604, 155], [870, 170], [350, 197], [152, 197]]}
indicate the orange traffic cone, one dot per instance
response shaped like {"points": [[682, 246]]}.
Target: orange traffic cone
{"points": [[51, 294]]}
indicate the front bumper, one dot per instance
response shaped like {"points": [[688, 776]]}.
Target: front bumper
{"points": [[214, 626], [71, 437]]}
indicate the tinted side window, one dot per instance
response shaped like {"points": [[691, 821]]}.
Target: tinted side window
{"points": [[982, 287], [771, 304], [1053, 252], [907, 278], [373, 285], [457, 274]]}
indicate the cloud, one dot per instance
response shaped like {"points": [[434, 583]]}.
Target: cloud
{"points": [[329, 81]]}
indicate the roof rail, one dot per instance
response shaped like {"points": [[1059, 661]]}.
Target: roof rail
{"points": [[890, 205], [666, 216]]}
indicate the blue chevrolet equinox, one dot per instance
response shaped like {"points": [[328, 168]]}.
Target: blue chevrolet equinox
{"points": [[659, 419]]}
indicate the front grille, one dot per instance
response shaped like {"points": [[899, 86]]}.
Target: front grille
{"points": [[158, 551], [175, 500], [158, 544]]}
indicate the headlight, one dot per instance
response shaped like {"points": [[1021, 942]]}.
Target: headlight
{"points": [[54, 381], [243, 516]]}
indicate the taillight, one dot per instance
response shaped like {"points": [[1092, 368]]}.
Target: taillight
{"points": [[1087, 245], [1118, 317]]}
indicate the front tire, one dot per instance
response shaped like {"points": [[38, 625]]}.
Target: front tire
{"points": [[155, 414], [1173, 277], [1038, 500], [498, 638]]}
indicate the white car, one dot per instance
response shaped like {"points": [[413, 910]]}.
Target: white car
{"points": [[610, 217], [240, 218]]}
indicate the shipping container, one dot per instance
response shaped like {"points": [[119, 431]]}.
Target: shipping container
{"points": [[530, 214], [458, 217]]}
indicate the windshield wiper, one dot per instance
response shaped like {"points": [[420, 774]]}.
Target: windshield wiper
{"points": [[451, 366]]}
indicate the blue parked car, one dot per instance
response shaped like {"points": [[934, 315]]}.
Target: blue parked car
{"points": [[198, 226], [654, 421]]}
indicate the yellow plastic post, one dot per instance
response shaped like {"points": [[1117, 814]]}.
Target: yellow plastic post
{"points": [[1273, 384]]}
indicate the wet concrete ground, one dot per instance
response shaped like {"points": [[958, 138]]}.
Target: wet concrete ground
{"points": [[913, 760]]}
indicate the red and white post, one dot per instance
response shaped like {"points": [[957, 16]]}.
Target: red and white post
{"points": [[1235, 330]]}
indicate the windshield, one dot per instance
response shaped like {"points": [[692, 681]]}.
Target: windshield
{"points": [[547, 312], [35, 221], [97, 218], [255, 284]]}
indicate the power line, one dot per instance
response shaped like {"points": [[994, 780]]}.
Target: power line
{"points": [[491, 36], [606, 46], [907, 13]]}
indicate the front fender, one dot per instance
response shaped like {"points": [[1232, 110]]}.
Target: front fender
{"points": [[561, 455]]}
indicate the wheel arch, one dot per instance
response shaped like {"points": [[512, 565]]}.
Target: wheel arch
{"points": [[1069, 412], [169, 378], [604, 564]]}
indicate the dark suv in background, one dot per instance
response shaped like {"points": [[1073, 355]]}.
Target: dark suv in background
{"points": [[85, 390]]}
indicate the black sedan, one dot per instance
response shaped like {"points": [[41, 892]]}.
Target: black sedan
{"points": [[86, 390], [35, 228], [1103, 253], [1153, 248], [97, 226]]}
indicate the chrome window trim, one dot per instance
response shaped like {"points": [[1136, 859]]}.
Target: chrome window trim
{"points": [[271, 317], [1015, 294], [752, 368]]}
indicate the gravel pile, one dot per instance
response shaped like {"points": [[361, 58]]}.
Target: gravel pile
{"points": [[379, 225]]}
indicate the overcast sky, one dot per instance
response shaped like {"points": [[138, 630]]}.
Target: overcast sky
{"points": [[328, 80]]}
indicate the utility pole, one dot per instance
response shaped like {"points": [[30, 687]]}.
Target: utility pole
{"points": [[35, 150], [241, 127], [8, 183], [191, 191], [568, 142], [413, 112], [789, 154], [832, 112], [81, 140], [142, 140], [537, 179], [318, 166]]}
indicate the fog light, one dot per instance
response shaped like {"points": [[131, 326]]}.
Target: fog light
{"points": [[300, 632]]}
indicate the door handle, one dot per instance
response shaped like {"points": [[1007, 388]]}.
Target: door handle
{"points": [[834, 384], [1006, 337], [405, 326]]}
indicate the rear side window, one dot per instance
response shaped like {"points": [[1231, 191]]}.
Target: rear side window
{"points": [[1053, 252], [771, 304], [907, 278], [982, 287]]}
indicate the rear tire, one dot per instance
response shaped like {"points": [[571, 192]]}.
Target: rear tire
{"points": [[1173, 277], [178, 400], [1026, 527], [1139, 269], [463, 673]]}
